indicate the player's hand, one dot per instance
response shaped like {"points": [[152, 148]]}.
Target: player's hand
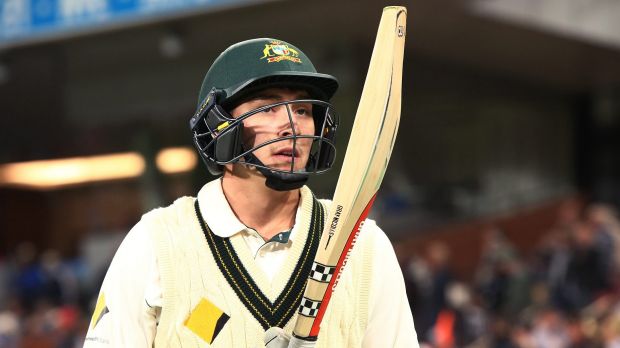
{"points": [[275, 337]]}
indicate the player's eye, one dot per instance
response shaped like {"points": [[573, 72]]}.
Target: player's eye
{"points": [[303, 111], [271, 109]]}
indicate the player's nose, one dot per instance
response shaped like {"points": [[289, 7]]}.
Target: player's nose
{"points": [[286, 121]]}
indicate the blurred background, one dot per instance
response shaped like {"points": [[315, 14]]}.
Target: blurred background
{"points": [[501, 197]]}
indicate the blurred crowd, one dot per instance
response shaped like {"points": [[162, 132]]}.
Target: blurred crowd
{"points": [[564, 292], [45, 299]]}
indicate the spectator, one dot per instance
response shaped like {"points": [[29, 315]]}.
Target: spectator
{"points": [[540, 301], [604, 221], [586, 275], [438, 261], [418, 280], [495, 246], [27, 282], [501, 276], [550, 330], [9, 326], [469, 318], [610, 330]]}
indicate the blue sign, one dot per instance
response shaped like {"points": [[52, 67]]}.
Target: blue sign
{"points": [[24, 20]]}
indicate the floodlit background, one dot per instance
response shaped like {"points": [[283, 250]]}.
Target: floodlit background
{"points": [[501, 197]]}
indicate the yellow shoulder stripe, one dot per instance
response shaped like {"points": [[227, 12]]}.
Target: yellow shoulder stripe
{"points": [[100, 310]]}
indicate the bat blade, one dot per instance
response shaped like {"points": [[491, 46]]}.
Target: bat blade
{"points": [[366, 159]]}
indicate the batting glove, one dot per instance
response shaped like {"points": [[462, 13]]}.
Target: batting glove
{"points": [[275, 337]]}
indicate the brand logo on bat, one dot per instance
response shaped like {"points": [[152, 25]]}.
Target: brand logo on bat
{"points": [[276, 51], [334, 224], [401, 31]]}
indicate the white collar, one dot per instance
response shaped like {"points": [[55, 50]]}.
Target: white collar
{"points": [[222, 220]]}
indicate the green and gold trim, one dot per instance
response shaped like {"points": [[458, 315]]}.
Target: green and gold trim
{"points": [[268, 314]]}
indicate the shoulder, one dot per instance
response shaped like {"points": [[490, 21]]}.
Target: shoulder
{"points": [[175, 212], [374, 238], [164, 221], [371, 234]]}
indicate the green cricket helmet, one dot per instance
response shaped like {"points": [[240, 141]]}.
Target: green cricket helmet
{"points": [[240, 72]]}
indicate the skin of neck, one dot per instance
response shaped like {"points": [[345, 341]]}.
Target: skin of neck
{"points": [[267, 211]]}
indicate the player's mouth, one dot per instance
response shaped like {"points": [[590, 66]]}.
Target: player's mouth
{"points": [[286, 155]]}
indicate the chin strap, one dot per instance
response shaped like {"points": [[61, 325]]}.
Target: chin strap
{"points": [[277, 180]]}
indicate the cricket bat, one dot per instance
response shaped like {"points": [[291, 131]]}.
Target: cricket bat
{"points": [[365, 162]]}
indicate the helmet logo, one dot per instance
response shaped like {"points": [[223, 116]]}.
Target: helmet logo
{"points": [[276, 51]]}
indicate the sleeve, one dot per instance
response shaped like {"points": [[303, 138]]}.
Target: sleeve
{"points": [[122, 316], [390, 322]]}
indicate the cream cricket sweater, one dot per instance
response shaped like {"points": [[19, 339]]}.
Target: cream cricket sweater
{"points": [[214, 294]]}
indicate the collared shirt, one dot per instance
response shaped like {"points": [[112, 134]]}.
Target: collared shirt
{"points": [[133, 283]]}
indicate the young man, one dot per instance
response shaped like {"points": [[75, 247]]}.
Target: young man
{"points": [[220, 269]]}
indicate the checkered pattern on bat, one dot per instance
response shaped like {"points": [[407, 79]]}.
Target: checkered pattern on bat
{"points": [[308, 307], [321, 273]]}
